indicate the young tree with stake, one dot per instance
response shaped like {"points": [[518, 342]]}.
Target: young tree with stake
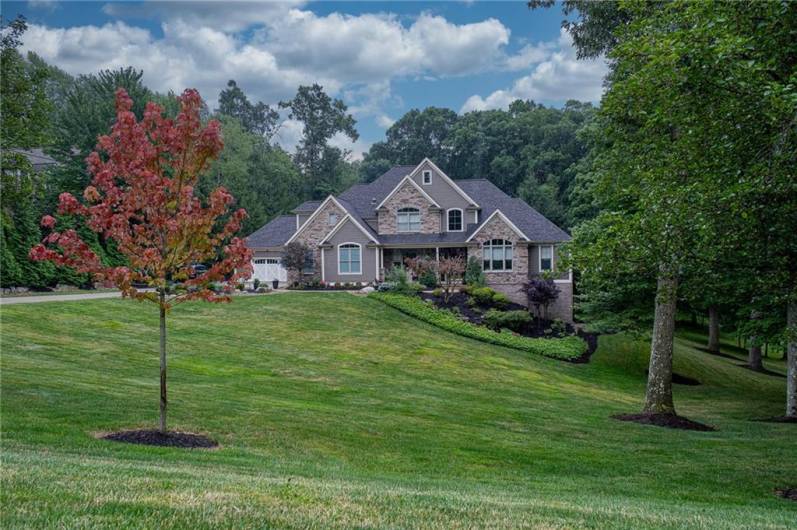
{"points": [[142, 197]]}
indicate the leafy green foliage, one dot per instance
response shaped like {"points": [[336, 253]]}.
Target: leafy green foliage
{"points": [[513, 320], [565, 348], [322, 118], [256, 118], [474, 275]]}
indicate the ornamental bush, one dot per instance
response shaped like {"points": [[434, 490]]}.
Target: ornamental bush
{"points": [[563, 348], [514, 320]]}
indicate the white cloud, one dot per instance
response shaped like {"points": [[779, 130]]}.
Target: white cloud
{"points": [[200, 48], [561, 76], [228, 16], [49, 5], [385, 121]]}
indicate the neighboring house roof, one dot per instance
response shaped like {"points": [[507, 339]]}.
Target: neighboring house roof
{"points": [[274, 233], [360, 202], [307, 207], [36, 157]]}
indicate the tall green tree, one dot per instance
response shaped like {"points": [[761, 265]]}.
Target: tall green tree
{"points": [[322, 118], [693, 102], [257, 118]]}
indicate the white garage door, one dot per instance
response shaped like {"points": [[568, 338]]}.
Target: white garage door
{"points": [[268, 269]]}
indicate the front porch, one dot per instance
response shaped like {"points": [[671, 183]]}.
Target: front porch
{"points": [[395, 256]]}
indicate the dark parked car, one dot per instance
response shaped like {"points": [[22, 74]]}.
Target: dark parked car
{"points": [[197, 269]]}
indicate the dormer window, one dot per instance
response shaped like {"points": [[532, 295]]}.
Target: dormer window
{"points": [[408, 220], [427, 177]]}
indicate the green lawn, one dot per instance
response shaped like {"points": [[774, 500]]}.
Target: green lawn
{"points": [[338, 411]]}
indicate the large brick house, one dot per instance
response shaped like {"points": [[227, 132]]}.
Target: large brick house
{"points": [[409, 211]]}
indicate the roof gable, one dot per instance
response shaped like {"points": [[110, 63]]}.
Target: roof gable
{"points": [[428, 163], [408, 180], [505, 219], [348, 219]]}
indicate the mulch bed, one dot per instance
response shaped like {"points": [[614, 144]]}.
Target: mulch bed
{"points": [[534, 329], [670, 421], [787, 493], [167, 439], [679, 379]]}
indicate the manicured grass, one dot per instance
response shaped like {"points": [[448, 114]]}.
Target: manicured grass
{"points": [[338, 411], [563, 348]]}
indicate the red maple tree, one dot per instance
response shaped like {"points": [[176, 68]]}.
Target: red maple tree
{"points": [[142, 198]]}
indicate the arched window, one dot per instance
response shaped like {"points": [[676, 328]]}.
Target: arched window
{"points": [[409, 220], [454, 220], [349, 259], [497, 255]]}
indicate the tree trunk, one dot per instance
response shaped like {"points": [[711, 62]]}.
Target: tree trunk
{"points": [[713, 329], [754, 360], [163, 361], [658, 398], [791, 361]]}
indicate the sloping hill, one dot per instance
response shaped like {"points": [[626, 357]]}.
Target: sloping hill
{"points": [[338, 411]]}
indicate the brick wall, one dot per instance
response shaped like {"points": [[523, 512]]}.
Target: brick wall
{"points": [[312, 234], [408, 197]]}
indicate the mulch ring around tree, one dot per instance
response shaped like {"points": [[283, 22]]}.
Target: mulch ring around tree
{"points": [[670, 421], [787, 493], [168, 439], [679, 379]]}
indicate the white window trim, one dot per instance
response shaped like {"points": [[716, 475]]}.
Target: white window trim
{"points": [[426, 172], [511, 269], [420, 220], [539, 259], [461, 220], [360, 248]]}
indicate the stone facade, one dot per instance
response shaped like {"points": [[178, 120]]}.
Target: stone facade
{"points": [[408, 197], [313, 234], [508, 282]]}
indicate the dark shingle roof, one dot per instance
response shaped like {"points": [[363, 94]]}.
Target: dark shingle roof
{"points": [[307, 207], [356, 216], [361, 196], [536, 226], [274, 233]]}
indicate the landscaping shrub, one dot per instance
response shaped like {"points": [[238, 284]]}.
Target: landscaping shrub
{"points": [[473, 272], [256, 283], [437, 292], [483, 295], [514, 320], [564, 348], [500, 300], [428, 279]]}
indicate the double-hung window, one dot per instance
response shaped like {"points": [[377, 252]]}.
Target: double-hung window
{"points": [[349, 259], [546, 258], [409, 220], [497, 255]]}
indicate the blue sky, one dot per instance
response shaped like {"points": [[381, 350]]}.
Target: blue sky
{"points": [[381, 58]]}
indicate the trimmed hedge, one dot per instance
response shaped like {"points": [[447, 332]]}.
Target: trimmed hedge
{"points": [[564, 348]]}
